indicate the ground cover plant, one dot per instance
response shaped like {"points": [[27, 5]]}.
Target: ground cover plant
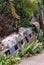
{"points": [[41, 36], [32, 49]]}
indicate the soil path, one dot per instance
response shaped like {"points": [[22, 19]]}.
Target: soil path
{"points": [[34, 60]]}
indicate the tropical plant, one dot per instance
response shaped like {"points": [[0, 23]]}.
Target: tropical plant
{"points": [[22, 10], [9, 60], [25, 51], [41, 36], [33, 48]]}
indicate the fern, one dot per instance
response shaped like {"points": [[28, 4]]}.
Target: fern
{"points": [[13, 10]]}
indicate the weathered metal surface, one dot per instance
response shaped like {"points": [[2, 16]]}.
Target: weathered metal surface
{"points": [[11, 40], [12, 43], [36, 24]]}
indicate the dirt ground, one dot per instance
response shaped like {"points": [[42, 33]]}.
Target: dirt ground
{"points": [[34, 60]]}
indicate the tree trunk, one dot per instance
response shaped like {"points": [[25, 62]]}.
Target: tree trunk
{"points": [[41, 21], [41, 17]]}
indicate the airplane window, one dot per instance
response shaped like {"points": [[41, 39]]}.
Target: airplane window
{"points": [[21, 41], [30, 35], [7, 52], [26, 39], [16, 47]]}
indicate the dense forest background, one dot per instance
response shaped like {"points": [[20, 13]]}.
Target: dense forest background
{"points": [[18, 10]]}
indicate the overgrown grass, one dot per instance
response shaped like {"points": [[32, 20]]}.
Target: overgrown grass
{"points": [[9, 60], [41, 37], [33, 48], [25, 51]]}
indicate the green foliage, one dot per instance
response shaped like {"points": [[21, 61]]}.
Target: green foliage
{"points": [[27, 5], [41, 36], [24, 8], [9, 60], [43, 2], [33, 48]]}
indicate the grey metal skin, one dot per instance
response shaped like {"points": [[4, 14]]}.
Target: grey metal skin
{"points": [[13, 39], [23, 33], [27, 35], [36, 24], [13, 42], [30, 36]]}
